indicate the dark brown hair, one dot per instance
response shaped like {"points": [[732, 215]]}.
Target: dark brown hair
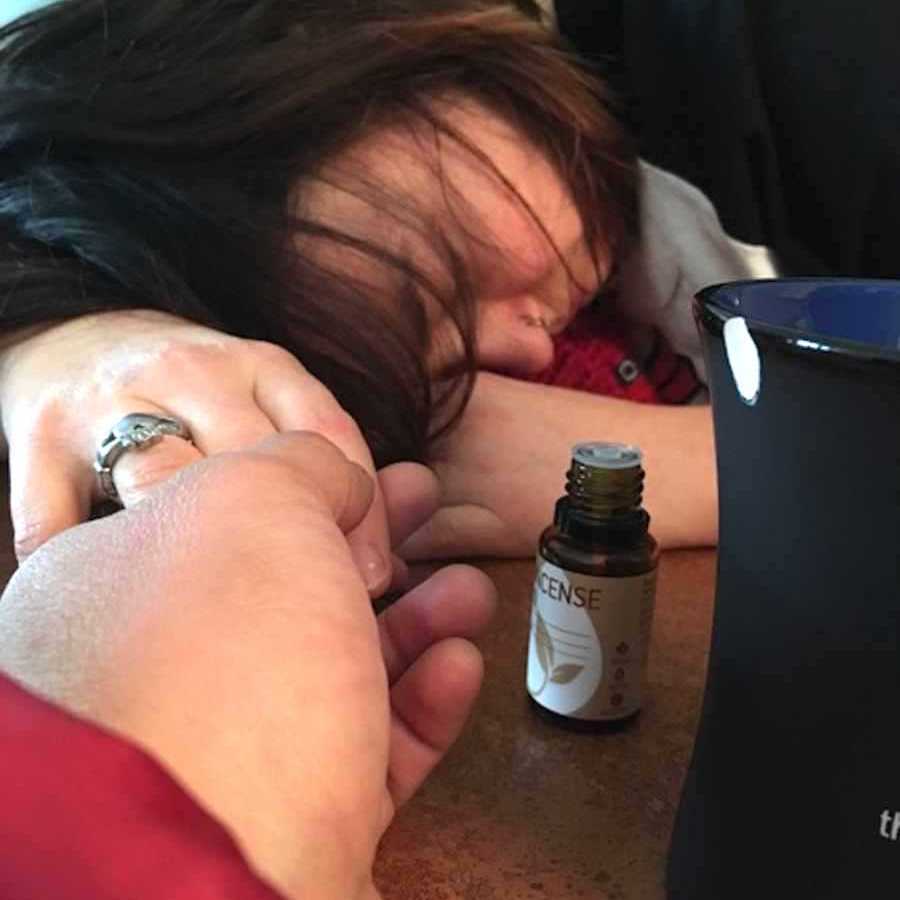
{"points": [[148, 149]]}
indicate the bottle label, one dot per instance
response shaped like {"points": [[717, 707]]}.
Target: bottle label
{"points": [[589, 640]]}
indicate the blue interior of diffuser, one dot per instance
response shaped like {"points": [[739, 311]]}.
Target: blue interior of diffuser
{"points": [[853, 310]]}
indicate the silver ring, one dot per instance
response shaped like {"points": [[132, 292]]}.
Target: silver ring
{"points": [[137, 431]]}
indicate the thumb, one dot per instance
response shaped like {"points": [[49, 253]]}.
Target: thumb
{"points": [[314, 463]]}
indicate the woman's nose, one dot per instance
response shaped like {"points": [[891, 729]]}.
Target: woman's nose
{"points": [[513, 338]]}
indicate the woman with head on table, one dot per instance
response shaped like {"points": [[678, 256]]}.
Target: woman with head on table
{"points": [[222, 220]]}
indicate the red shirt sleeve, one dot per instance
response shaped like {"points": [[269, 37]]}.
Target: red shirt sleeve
{"points": [[84, 814]]}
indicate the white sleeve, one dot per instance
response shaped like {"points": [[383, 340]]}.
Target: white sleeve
{"points": [[683, 248]]}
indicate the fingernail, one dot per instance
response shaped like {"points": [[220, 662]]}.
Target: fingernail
{"points": [[372, 566]]}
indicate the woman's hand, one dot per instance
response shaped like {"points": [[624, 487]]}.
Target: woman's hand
{"points": [[63, 389], [221, 626]]}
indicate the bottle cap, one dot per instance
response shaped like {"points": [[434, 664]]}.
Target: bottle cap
{"points": [[600, 455]]}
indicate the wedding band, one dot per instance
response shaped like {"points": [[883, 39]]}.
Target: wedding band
{"points": [[137, 431]]}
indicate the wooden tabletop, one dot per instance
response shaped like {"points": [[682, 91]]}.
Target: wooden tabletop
{"points": [[522, 810]]}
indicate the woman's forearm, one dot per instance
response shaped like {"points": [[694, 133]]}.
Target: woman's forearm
{"points": [[504, 466]]}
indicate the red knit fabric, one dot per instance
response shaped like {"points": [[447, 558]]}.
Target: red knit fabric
{"points": [[86, 816], [597, 353]]}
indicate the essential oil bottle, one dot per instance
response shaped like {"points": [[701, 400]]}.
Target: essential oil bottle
{"points": [[594, 593]]}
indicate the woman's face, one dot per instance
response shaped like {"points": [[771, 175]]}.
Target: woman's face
{"points": [[522, 241]]}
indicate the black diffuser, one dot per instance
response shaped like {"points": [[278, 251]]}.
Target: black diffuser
{"points": [[794, 787]]}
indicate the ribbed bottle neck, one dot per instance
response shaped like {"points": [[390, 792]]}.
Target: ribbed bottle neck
{"points": [[601, 493], [604, 488]]}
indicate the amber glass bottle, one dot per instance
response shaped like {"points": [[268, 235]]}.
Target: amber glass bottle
{"points": [[594, 593]]}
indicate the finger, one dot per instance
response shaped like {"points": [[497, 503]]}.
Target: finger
{"points": [[400, 581], [417, 572], [457, 601], [429, 705], [411, 496], [320, 469], [139, 470], [295, 401], [218, 425], [460, 530], [49, 492]]}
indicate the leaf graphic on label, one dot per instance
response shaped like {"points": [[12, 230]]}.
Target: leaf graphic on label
{"points": [[565, 674], [543, 642]]}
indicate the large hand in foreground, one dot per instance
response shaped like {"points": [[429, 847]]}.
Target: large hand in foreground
{"points": [[63, 389], [222, 625]]}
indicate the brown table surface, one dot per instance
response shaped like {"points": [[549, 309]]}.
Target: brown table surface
{"points": [[521, 809]]}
